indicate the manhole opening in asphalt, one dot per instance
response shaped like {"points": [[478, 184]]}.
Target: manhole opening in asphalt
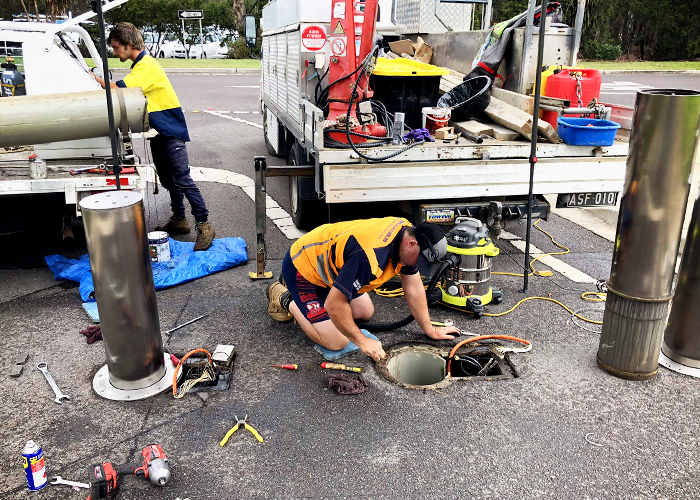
{"points": [[423, 366]]}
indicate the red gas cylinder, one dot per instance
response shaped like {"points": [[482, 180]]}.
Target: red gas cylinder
{"points": [[563, 85]]}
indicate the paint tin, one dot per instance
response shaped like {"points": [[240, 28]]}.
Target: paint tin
{"points": [[34, 467], [435, 118], [159, 244]]}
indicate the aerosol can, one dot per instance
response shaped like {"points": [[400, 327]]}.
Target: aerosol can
{"points": [[467, 285]]}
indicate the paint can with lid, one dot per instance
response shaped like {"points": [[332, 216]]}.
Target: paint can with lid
{"points": [[159, 245]]}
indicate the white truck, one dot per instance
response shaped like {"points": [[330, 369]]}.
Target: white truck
{"points": [[51, 63], [436, 181]]}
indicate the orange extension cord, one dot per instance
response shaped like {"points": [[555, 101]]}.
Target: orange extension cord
{"points": [[481, 337]]}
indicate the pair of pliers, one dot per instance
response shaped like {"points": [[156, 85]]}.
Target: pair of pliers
{"points": [[239, 423]]}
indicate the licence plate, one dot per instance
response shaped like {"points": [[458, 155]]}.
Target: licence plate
{"points": [[586, 200]]}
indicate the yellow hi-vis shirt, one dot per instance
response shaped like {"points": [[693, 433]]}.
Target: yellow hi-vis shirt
{"points": [[164, 111], [368, 248]]}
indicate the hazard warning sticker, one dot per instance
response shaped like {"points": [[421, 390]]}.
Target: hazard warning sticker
{"points": [[338, 30], [339, 46], [313, 38]]}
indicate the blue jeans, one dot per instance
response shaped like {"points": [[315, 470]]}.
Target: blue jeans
{"points": [[173, 167]]}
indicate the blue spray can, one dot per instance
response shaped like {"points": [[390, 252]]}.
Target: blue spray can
{"points": [[34, 467]]}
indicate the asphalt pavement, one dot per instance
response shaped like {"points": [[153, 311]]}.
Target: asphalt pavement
{"points": [[562, 429]]}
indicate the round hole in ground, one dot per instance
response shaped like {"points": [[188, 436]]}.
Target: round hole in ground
{"points": [[417, 367]]}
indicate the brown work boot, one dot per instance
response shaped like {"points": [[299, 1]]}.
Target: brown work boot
{"points": [[205, 236], [175, 225], [278, 302]]}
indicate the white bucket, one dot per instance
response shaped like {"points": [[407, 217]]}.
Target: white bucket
{"points": [[435, 118], [159, 244]]}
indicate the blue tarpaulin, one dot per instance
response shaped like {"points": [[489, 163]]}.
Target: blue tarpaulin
{"points": [[186, 264]]}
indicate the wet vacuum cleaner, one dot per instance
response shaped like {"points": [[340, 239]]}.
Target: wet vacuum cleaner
{"points": [[467, 285]]}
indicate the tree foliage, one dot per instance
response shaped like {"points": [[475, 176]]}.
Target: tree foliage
{"points": [[641, 29]]}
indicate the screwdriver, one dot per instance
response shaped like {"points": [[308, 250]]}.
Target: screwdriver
{"points": [[286, 367], [337, 366]]}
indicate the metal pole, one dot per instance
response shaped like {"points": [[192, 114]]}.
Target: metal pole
{"points": [[201, 41], [97, 7], [487, 15], [533, 142], [578, 26], [260, 217], [184, 40], [662, 147], [529, 27]]}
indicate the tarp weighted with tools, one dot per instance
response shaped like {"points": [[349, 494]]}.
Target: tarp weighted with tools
{"points": [[186, 264]]}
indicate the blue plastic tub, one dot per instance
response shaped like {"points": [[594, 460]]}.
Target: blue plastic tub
{"points": [[587, 131]]}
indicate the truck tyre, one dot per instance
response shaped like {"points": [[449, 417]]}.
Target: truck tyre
{"points": [[306, 213]]}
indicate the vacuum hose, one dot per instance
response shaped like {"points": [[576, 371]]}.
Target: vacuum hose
{"points": [[452, 261]]}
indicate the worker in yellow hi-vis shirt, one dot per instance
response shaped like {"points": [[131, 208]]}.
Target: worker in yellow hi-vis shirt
{"points": [[168, 147]]}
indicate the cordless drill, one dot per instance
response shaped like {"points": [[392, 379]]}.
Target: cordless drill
{"points": [[105, 478]]}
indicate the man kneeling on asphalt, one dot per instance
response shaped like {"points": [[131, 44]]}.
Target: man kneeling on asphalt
{"points": [[327, 273]]}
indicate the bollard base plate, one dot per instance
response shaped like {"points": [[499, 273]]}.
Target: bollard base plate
{"points": [[102, 386], [675, 366], [624, 374]]}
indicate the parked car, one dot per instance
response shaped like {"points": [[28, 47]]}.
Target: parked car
{"points": [[154, 41], [172, 48], [214, 47]]}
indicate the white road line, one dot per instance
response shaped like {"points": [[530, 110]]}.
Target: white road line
{"points": [[216, 113], [277, 214], [549, 260], [243, 86]]}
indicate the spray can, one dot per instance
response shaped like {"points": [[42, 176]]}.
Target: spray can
{"points": [[34, 467], [398, 128]]}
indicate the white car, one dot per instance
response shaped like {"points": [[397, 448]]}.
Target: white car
{"points": [[172, 48], [153, 41], [214, 47]]}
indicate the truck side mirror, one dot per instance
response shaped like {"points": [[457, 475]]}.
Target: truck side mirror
{"points": [[250, 31]]}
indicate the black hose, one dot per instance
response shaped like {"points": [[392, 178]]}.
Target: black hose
{"points": [[450, 262]]}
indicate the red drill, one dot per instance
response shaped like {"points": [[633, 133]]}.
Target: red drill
{"points": [[105, 477]]}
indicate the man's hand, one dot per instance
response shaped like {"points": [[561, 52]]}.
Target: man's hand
{"points": [[442, 332], [372, 348]]}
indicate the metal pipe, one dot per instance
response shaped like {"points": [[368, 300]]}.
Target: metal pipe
{"points": [[34, 119], [97, 7], [529, 29], [115, 232], [578, 27], [681, 341], [533, 142], [663, 141]]}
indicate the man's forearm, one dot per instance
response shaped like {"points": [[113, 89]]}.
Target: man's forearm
{"points": [[415, 297], [101, 81]]}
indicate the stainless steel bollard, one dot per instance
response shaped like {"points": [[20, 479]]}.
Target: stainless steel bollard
{"points": [[662, 148], [115, 230], [682, 339]]}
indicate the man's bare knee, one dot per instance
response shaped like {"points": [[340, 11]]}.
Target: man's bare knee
{"points": [[364, 312]]}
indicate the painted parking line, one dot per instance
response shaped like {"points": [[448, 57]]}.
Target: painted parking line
{"points": [[243, 86], [275, 213], [549, 260], [235, 119]]}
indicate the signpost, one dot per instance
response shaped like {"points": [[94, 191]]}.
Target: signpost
{"points": [[187, 15]]}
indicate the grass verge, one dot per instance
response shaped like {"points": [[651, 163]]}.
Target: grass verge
{"points": [[190, 63], [642, 65]]}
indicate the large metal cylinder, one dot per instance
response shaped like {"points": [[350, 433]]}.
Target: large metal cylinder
{"points": [[115, 230], [38, 119], [657, 181], [682, 339]]}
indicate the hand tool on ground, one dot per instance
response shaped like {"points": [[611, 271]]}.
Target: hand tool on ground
{"points": [[239, 423], [60, 480], [105, 477], [43, 368], [286, 367], [338, 366]]}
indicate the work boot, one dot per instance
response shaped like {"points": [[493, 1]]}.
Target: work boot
{"points": [[278, 300], [205, 236], [175, 225]]}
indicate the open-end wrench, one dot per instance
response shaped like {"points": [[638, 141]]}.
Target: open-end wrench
{"points": [[43, 368], [60, 480]]}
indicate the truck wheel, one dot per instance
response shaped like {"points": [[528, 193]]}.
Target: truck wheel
{"points": [[306, 213]]}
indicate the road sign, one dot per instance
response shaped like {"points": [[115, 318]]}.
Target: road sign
{"points": [[190, 14]]}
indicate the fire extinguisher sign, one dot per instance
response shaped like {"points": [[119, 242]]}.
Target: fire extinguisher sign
{"points": [[313, 38]]}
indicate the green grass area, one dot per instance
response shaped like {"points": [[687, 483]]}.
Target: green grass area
{"points": [[648, 65], [191, 63]]}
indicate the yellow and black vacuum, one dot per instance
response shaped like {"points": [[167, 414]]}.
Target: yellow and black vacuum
{"points": [[467, 285]]}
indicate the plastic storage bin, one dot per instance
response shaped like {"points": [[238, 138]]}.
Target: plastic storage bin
{"points": [[406, 86], [587, 131]]}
